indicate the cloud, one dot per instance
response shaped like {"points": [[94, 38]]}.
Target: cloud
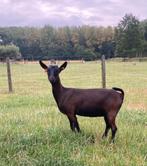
{"points": [[68, 12]]}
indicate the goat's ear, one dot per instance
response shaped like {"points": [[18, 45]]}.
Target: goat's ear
{"points": [[63, 66], [43, 65]]}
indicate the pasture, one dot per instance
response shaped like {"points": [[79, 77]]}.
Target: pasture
{"points": [[33, 131]]}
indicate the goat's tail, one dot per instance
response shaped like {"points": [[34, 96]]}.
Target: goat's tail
{"points": [[122, 92]]}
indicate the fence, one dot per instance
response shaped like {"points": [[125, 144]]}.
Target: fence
{"points": [[103, 65], [9, 76]]}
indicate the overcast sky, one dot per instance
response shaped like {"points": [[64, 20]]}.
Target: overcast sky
{"points": [[68, 12]]}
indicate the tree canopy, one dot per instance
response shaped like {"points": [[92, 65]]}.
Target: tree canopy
{"points": [[10, 51], [127, 39]]}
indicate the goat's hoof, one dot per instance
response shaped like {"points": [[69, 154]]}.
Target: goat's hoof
{"points": [[79, 131], [112, 141], [104, 136]]}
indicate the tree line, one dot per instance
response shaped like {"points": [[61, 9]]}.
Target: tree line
{"points": [[127, 39]]}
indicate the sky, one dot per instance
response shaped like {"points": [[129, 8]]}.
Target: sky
{"points": [[69, 12]]}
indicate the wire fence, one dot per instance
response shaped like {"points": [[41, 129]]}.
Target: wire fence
{"points": [[99, 73]]}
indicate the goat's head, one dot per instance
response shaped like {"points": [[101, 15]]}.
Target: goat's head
{"points": [[53, 71]]}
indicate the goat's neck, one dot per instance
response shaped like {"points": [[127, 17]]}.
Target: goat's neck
{"points": [[57, 89]]}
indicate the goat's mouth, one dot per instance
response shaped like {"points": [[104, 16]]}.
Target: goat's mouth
{"points": [[52, 80]]}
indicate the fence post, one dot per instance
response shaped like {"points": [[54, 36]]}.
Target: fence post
{"points": [[9, 75], [103, 67]]}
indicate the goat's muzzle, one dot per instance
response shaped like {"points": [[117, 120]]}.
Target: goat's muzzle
{"points": [[52, 79]]}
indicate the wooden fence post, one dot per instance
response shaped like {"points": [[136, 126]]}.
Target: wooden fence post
{"points": [[103, 67], [9, 75]]}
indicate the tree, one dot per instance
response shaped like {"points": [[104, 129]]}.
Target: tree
{"points": [[47, 42], [128, 37], [143, 29], [10, 51]]}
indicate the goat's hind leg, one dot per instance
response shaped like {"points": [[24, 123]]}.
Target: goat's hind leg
{"points": [[111, 121], [107, 128], [77, 127], [113, 129]]}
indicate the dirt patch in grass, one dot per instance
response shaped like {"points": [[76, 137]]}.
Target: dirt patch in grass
{"points": [[137, 106]]}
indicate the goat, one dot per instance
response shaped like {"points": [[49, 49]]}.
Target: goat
{"points": [[85, 102]]}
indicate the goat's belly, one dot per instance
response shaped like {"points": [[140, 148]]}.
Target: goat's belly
{"points": [[90, 112]]}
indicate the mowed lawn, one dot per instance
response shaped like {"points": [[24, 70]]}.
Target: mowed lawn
{"points": [[33, 131]]}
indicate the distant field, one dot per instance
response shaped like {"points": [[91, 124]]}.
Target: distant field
{"points": [[33, 131]]}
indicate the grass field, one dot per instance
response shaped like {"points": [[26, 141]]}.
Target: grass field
{"points": [[33, 131]]}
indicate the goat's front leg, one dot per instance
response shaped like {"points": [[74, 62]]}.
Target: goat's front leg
{"points": [[73, 123]]}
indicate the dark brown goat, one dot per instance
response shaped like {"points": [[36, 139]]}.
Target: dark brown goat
{"points": [[85, 102]]}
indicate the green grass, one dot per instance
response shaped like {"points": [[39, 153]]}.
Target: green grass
{"points": [[33, 131]]}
